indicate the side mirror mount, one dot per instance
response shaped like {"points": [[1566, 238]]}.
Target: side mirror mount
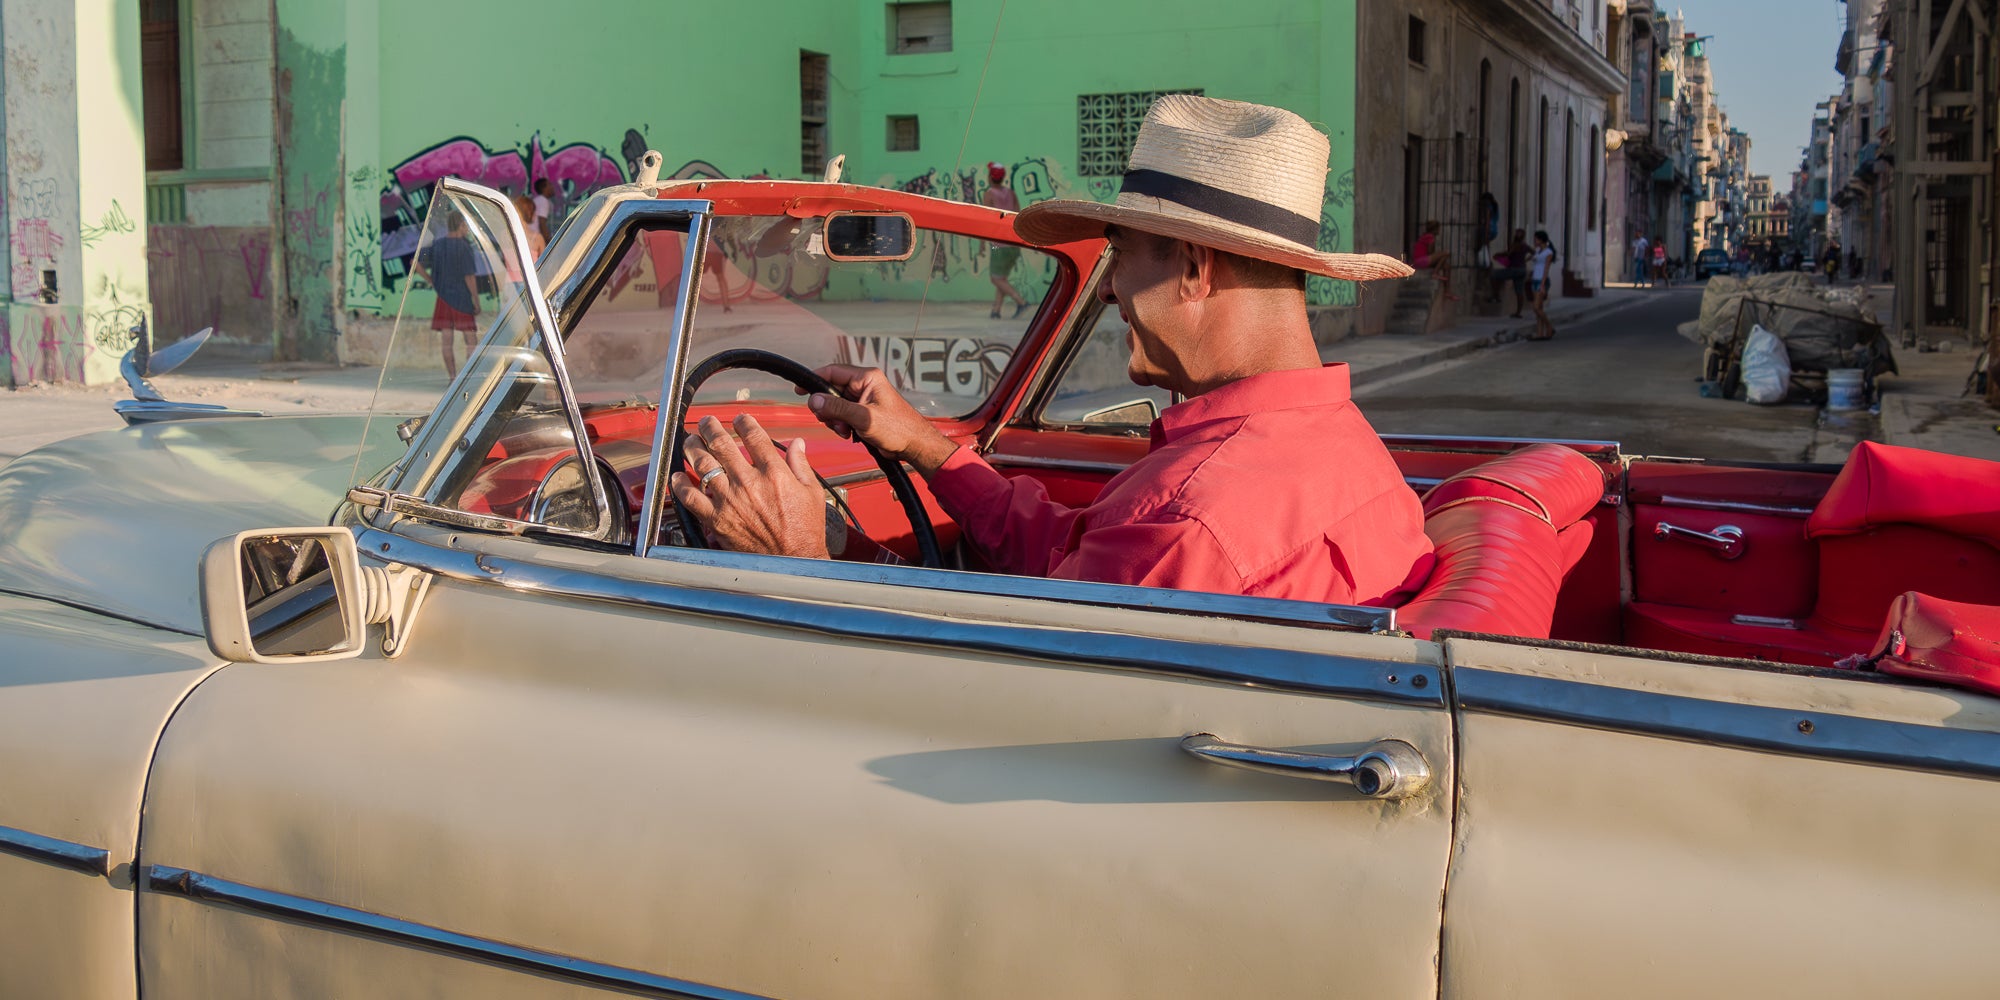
{"points": [[283, 595]]}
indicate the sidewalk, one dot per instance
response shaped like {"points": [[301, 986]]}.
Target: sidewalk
{"points": [[1924, 406], [1373, 359]]}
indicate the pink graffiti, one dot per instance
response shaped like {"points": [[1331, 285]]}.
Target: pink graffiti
{"points": [[33, 239], [310, 222], [256, 254], [577, 169], [214, 276], [58, 354]]}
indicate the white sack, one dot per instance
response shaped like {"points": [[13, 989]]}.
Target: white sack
{"points": [[1767, 369]]}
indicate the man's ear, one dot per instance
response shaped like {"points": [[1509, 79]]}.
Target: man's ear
{"points": [[1198, 266]]}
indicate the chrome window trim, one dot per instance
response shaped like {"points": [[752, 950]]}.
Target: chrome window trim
{"points": [[1791, 732], [1733, 506], [54, 851], [1250, 666], [552, 349], [1607, 451], [167, 880], [1340, 617], [652, 507], [1069, 464]]}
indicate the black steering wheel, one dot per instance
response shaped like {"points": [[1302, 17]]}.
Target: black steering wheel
{"points": [[803, 377]]}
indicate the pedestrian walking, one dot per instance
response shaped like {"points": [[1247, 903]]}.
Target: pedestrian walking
{"points": [[1641, 248], [1539, 268], [1000, 260], [1660, 263], [451, 266]]}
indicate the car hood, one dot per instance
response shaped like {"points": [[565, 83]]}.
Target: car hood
{"points": [[116, 521]]}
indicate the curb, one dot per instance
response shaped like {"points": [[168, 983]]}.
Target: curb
{"points": [[1506, 334]]}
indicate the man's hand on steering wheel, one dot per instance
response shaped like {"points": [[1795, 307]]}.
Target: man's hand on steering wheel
{"points": [[879, 415], [770, 502]]}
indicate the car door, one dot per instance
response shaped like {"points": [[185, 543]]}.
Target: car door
{"points": [[673, 773], [1636, 826], [601, 770]]}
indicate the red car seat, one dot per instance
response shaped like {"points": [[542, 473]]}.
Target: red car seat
{"points": [[1506, 532]]}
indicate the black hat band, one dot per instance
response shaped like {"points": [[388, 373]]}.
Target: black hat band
{"points": [[1243, 210]]}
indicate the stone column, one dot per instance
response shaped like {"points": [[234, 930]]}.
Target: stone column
{"points": [[73, 140]]}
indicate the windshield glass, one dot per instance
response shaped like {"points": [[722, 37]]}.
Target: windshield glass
{"points": [[766, 282], [468, 381]]}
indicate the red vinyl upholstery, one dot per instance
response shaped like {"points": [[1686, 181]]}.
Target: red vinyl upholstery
{"points": [[1903, 519], [1944, 641], [1506, 532], [1895, 520]]}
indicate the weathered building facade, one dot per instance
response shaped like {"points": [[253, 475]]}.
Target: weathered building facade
{"points": [[1485, 116]]}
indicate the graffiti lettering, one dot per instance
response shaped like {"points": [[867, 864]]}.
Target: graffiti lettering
{"points": [[35, 197], [114, 221], [962, 366], [577, 170]]}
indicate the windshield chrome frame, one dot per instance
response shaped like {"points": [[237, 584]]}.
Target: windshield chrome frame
{"points": [[652, 508], [551, 349]]}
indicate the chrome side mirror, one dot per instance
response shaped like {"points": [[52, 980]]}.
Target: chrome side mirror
{"points": [[283, 595]]}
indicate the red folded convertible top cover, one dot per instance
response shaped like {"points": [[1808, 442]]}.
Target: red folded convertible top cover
{"points": [[1883, 484], [1941, 640]]}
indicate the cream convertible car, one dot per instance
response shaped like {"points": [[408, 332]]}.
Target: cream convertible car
{"points": [[505, 730]]}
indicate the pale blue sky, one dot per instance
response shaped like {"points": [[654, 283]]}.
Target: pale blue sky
{"points": [[1772, 61]]}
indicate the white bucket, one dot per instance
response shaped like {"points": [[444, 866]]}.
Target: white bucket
{"points": [[1843, 389]]}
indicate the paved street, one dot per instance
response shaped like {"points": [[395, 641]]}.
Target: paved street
{"points": [[1627, 376]]}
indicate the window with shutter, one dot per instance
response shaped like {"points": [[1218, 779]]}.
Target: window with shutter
{"points": [[903, 134], [919, 27]]}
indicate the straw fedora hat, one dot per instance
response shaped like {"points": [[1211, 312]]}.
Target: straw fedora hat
{"points": [[1239, 177]]}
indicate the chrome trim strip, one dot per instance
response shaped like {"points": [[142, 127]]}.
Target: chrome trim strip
{"points": [[49, 850], [652, 507], [1289, 670], [1343, 617], [1794, 733], [1609, 450], [284, 906], [1033, 462], [1734, 506]]}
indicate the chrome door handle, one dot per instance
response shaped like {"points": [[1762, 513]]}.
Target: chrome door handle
{"points": [[1727, 540], [1384, 769]]}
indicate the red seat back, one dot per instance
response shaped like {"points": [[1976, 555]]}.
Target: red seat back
{"points": [[1904, 519], [1497, 532]]}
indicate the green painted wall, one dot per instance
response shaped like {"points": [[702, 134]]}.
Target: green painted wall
{"points": [[519, 90], [311, 95]]}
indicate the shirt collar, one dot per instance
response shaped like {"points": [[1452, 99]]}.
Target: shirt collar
{"points": [[1323, 386]]}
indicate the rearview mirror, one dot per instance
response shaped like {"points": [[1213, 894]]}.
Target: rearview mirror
{"points": [[283, 595], [863, 236]]}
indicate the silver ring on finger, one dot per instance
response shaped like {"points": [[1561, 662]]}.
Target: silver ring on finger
{"points": [[709, 476]]}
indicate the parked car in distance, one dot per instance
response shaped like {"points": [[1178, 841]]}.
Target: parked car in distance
{"points": [[1710, 262]]}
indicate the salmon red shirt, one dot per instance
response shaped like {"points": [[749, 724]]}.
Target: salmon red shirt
{"points": [[1273, 486]]}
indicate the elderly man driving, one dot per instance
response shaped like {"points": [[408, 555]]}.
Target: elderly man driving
{"points": [[1266, 481]]}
